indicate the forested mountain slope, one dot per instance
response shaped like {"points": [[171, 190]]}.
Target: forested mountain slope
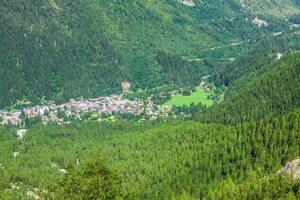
{"points": [[275, 91], [186, 159], [265, 52], [274, 8], [63, 49]]}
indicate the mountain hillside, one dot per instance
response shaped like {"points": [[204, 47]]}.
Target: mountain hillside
{"points": [[63, 49], [173, 99], [275, 91], [155, 161], [279, 8]]}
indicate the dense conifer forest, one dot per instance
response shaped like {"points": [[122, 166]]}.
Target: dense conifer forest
{"points": [[243, 55], [167, 160], [275, 91]]}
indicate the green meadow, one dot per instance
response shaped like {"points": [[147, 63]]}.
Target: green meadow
{"points": [[200, 96]]}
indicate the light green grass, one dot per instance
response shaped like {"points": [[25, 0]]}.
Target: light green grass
{"points": [[200, 96]]}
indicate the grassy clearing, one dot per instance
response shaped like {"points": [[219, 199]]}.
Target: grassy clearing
{"points": [[200, 96]]}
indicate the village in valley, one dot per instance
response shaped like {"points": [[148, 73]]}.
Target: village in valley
{"points": [[105, 108], [97, 109], [100, 109], [76, 109]]}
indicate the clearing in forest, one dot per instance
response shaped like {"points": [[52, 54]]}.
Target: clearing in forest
{"points": [[200, 96]]}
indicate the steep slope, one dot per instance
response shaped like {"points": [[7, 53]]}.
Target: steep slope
{"points": [[155, 161], [47, 51], [273, 92], [63, 49], [266, 52], [279, 8], [281, 185]]}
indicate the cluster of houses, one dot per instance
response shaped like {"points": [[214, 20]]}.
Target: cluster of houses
{"points": [[75, 109], [12, 118]]}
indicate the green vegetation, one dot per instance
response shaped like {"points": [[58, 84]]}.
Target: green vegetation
{"points": [[60, 49], [153, 161], [199, 96], [94, 180], [64, 48], [257, 61], [174, 159], [271, 187], [163, 160], [276, 8], [275, 91]]}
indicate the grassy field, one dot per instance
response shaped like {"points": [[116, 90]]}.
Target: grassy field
{"points": [[200, 96]]}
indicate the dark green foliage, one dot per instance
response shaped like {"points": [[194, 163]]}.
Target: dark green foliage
{"points": [[63, 49], [4, 181], [177, 71], [226, 74], [94, 181], [29, 122], [271, 187], [248, 66], [159, 161], [45, 52], [79, 48], [191, 110], [295, 19], [276, 91], [86, 115]]}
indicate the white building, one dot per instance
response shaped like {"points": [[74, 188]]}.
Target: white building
{"points": [[21, 133]]}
